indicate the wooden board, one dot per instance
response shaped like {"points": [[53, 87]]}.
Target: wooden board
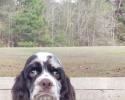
{"points": [[86, 88], [83, 95]]}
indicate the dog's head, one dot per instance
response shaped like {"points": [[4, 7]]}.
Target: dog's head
{"points": [[43, 78]]}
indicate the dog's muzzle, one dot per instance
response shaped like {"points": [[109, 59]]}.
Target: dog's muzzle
{"points": [[45, 93], [41, 96]]}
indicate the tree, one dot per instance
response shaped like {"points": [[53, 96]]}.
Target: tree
{"points": [[29, 24], [7, 9], [65, 23], [120, 16]]}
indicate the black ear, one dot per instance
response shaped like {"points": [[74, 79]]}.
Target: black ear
{"points": [[67, 90], [20, 90]]}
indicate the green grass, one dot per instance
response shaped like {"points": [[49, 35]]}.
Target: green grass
{"points": [[77, 61]]}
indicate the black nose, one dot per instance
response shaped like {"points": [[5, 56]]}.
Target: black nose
{"points": [[46, 84]]}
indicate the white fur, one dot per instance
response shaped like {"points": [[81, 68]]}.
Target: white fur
{"points": [[43, 57], [55, 90]]}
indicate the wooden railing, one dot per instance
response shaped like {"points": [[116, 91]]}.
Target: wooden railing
{"points": [[86, 88]]}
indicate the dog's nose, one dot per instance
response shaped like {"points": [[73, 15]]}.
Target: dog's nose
{"points": [[46, 84]]}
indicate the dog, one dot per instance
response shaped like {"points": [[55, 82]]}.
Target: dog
{"points": [[43, 78]]}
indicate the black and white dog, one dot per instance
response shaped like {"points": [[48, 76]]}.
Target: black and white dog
{"points": [[43, 78]]}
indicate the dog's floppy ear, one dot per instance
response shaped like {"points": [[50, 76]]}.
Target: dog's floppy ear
{"points": [[67, 90], [20, 90]]}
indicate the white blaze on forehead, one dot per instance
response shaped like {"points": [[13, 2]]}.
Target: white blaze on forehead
{"points": [[45, 56]]}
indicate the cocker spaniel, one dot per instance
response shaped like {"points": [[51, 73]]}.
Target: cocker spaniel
{"points": [[43, 78]]}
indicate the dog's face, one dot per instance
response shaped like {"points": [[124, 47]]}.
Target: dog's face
{"points": [[43, 78], [43, 73]]}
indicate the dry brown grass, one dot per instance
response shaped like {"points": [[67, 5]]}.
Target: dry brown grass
{"points": [[77, 61]]}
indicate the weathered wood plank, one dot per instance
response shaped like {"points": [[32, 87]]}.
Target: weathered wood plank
{"points": [[83, 95], [99, 83], [80, 83], [6, 82], [5, 95], [86, 88], [100, 94]]}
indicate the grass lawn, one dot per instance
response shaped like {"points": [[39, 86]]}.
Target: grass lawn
{"points": [[77, 61]]}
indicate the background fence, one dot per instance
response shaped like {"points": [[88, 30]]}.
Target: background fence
{"points": [[92, 88]]}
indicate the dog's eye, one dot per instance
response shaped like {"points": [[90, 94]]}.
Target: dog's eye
{"points": [[56, 74], [33, 73], [35, 70]]}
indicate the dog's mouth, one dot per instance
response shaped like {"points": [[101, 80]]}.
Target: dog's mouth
{"points": [[44, 97]]}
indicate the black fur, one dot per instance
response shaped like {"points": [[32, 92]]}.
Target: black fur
{"points": [[67, 90], [20, 90]]}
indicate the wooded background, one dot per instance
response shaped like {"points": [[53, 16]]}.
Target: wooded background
{"points": [[31, 23]]}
